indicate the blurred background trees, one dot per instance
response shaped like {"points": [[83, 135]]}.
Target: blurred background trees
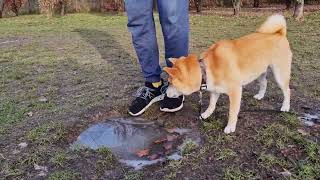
{"points": [[51, 7], [60, 7]]}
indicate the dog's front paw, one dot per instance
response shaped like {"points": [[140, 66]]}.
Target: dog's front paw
{"points": [[204, 115], [285, 108], [229, 129], [258, 96]]}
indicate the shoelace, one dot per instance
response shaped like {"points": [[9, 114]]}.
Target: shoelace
{"points": [[144, 92], [164, 88]]}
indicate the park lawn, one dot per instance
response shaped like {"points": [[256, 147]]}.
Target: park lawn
{"points": [[60, 75]]}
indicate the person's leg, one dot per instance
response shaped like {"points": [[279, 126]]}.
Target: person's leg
{"points": [[174, 19], [141, 25]]}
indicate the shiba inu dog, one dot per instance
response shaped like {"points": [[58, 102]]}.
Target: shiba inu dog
{"points": [[228, 65]]}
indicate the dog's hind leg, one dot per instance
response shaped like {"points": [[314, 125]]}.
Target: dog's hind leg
{"points": [[263, 86], [282, 76], [212, 105]]}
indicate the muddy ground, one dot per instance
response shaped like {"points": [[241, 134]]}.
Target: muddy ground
{"points": [[61, 75]]}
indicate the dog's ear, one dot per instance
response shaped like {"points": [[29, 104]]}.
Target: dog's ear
{"points": [[171, 71], [173, 60]]}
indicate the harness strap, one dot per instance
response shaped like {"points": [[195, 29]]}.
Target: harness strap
{"points": [[203, 74], [203, 85]]}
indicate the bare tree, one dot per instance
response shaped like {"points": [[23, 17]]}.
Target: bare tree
{"points": [[52, 6], [62, 7], [1, 7], [256, 3], [117, 5], [198, 4], [14, 7], [288, 4], [298, 10], [31, 6], [236, 7]]}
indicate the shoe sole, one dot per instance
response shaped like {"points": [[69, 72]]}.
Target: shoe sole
{"points": [[173, 110], [154, 100]]}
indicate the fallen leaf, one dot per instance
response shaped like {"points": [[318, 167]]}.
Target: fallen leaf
{"points": [[43, 99], [30, 114], [42, 173], [23, 145], [171, 137], [114, 113], [181, 131], [172, 130], [154, 157], [309, 123], [286, 173], [160, 140], [2, 156], [167, 146], [302, 132], [175, 157], [15, 151], [41, 168], [142, 153]]}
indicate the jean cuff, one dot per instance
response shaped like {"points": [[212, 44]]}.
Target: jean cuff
{"points": [[153, 79]]}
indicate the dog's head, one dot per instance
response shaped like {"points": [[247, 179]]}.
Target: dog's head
{"points": [[184, 76]]}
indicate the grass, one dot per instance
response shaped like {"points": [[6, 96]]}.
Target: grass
{"points": [[10, 113], [234, 173], [270, 161], [84, 62], [226, 153], [172, 169], [107, 159], [188, 147], [275, 135], [46, 134], [63, 175], [60, 159], [131, 175], [291, 119]]}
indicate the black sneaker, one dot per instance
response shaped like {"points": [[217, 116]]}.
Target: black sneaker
{"points": [[145, 97], [171, 104]]}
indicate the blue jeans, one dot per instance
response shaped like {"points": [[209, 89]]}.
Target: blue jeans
{"points": [[174, 20]]}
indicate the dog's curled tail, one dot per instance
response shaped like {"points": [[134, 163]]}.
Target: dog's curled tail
{"points": [[274, 24]]}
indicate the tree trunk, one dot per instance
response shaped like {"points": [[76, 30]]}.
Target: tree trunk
{"points": [[298, 10], [116, 5], [236, 7], [63, 8], [14, 8], [198, 4], [1, 7], [256, 3], [221, 3], [288, 4]]}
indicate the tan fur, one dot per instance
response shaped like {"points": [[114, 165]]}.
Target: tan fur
{"points": [[230, 64]]}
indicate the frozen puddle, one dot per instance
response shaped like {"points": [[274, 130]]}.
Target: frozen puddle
{"points": [[137, 142], [310, 119]]}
